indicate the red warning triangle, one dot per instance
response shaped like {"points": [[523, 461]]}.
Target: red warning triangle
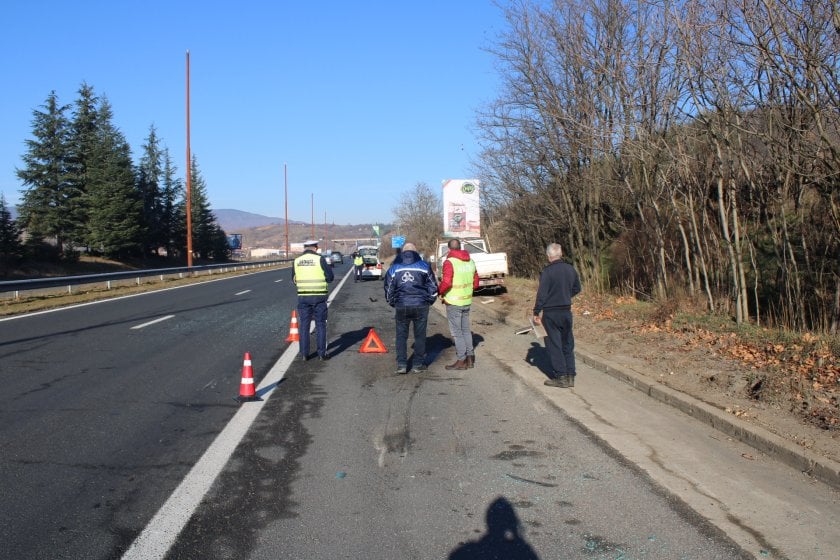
{"points": [[373, 344]]}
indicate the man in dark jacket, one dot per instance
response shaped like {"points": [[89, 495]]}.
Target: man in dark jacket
{"points": [[410, 288], [559, 283]]}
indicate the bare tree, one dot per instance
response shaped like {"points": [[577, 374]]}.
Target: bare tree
{"points": [[419, 216], [691, 146]]}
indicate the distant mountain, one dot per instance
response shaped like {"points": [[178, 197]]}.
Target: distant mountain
{"points": [[232, 220]]}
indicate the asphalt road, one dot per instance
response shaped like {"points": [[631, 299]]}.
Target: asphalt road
{"points": [[349, 460], [105, 407]]}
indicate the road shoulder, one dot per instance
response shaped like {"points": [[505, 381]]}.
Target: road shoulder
{"points": [[692, 450]]}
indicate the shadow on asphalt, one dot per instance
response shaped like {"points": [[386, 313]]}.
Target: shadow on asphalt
{"points": [[538, 357], [438, 343], [502, 539], [268, 388], [347, 340]]}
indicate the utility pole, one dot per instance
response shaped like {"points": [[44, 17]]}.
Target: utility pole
{"points": [[189, 172], [312, 196], [286, 204]]}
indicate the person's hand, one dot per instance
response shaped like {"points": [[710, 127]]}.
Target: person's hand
{"points": [[537, 320]]}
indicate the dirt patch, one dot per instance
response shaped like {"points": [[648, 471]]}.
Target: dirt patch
{"points": [[790, 390]]}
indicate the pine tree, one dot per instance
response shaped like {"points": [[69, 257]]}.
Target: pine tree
{"points": [[220, 250], [203, 219], [209, 241], [173, 229], [10, 246], [86, 154], [150, 177], [113, 203], [45, 209]]}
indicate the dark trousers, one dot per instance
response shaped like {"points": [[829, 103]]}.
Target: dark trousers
{"points": [[404, 317], [358, 273], [561, 340], [307, 312]]}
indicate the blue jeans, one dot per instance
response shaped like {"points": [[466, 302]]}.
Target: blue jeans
{"points": [[358, 276], [459, 327], [404, 317], [561, 340], [307, 311]]}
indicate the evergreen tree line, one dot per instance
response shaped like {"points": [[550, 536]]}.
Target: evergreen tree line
{"points": [[82, 192], [675, 149]]}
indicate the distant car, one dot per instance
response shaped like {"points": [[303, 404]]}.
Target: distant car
{"points": [[337, 257], [328, 257]]}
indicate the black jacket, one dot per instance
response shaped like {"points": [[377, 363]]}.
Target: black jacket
{"points": [[559, 283]]}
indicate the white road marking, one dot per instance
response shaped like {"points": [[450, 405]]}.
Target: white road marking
{"points": [[162, 531], [278, 280], [242, 292], [158, 320]]}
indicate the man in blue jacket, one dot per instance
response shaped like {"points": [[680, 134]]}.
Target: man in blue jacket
{"points": [[559, 283], [410, 288]]}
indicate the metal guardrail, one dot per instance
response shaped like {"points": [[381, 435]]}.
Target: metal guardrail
{"points": [[108, 278]]}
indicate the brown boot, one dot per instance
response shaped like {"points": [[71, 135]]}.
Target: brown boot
{"points": [[460, 364], [470, 361]]}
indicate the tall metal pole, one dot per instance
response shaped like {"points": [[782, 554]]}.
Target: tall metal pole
{"points": [[313, 215], [326, 232], [189, 172], [286, 199]]}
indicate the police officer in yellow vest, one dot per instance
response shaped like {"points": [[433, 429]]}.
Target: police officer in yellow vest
{"points": [[456, 287], [312, 275], [358, 263]]}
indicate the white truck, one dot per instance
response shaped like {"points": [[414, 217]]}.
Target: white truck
{"points": [[491, 267], [371, 265]]}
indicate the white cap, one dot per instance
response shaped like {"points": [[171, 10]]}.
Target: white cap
{"points": [[310, 243]]}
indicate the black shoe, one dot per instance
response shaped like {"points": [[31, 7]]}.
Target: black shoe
{"points": [[301, 358], [419, 368], [324, 358], [570, 381], [401, 370], [557, 382]]}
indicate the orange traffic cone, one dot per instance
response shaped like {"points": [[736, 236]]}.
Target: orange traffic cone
{"points": [[294, 335], [372, 344], [246, 388]]}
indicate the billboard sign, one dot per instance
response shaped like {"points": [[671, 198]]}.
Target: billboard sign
{"points": [[235, 241], [461, 214]]}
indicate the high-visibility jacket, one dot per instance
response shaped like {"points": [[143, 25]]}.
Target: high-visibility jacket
{"points": [[462, 282], [309, 276], [358, 261]]}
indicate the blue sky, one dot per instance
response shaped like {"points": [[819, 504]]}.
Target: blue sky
{"points": [[361, 100]]}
